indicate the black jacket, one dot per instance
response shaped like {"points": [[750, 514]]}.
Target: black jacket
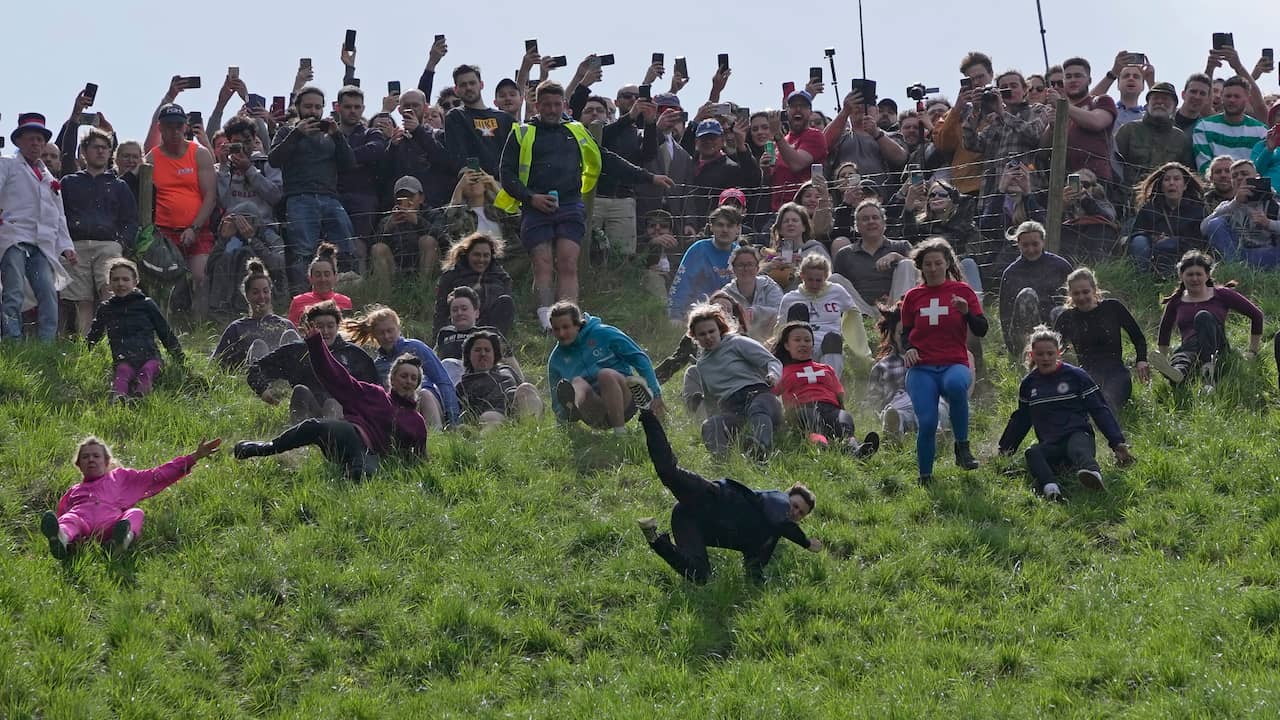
{"points": [[423, 155], [310, 164], [357, 185], [557, 165], [490, 285], [477, 133], [292, 364], [480, 391], [711, 178], [131, 324], [100, 208], [636, 145]]}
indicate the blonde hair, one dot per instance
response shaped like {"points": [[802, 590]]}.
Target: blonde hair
{"points": [[1083, 273], [94, 440], [1042, 333], [815, 260], [123, 263], [360, 328]]}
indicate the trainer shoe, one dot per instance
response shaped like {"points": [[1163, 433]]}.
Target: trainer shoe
{"points": [[1161, 363], [818, 439], [1052, 491], [892, 421], [1208, 375], [640, 393], [568, 399], [868, 447], [649, 527], [1091, 479], [57, 540], [121, 535]]}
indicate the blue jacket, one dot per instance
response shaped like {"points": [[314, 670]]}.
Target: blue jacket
{"points": [[598, 347], [1058, 405], [703, 270], [434, 377], [100, 208]]}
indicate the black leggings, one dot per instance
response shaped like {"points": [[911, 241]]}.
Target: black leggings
{"points": [[830, 420], [1206, 345], [1115, 381], [339, 440], [694, 493], [1076, 450]]}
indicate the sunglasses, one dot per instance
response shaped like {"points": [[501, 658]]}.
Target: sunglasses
{"points": [[940, 194]]}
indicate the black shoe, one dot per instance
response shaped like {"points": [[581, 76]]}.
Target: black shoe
{"points": [[870, 444], [964, 457], [121, 535], [925, 480], [568, 399], [251, 448], [49, 528]]}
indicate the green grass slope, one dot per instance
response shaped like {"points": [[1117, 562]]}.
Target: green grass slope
{"points": [[505, 578]]}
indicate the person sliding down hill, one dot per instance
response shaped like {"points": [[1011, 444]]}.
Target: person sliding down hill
{"points": [[720, 513]]}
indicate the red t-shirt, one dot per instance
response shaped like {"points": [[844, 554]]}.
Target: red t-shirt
{"points": [[808, 382], [785, 182], [302, 302], [936, 330], [1088, 148]]}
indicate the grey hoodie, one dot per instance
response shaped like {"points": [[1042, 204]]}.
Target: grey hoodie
{"points": [[736, 363]]}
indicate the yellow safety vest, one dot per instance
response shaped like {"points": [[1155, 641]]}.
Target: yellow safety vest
{"points": [[525, 135]]}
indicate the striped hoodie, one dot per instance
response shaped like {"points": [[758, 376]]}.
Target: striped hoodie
{"points": [[1214, 136]]}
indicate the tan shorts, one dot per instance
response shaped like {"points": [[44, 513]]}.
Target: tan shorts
{"points": [[90, 273]]}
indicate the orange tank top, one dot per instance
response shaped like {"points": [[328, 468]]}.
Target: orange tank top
{"points": [[177, 182]]}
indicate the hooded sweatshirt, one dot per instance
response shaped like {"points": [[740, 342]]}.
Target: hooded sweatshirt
{"points": [[388, 420], [598, 347], [736, 363]]}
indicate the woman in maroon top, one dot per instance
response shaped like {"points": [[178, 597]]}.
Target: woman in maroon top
{"points": [[375, 422], [1199, 309]]}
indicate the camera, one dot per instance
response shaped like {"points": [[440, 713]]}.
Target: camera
{"points": [[235, 148], [990, 99], [1259, 187], [324, 125], [918, 92]]}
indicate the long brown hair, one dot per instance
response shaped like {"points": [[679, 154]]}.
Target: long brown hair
{"points": [[888, 324], [937, 243], [1152, 185], [739, 315], [461, 249], [775, 237]]}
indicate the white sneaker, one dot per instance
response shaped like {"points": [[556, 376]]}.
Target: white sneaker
{"points": [[891, 421], [640, 393], [1162, 365], [1207, 375], [1091, 479], [1052, 491]]}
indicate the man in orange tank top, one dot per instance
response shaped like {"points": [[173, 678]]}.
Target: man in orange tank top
{"points": [[186, 194]]}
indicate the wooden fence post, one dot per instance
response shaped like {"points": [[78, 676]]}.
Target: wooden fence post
{"points": [[1057, 178]]}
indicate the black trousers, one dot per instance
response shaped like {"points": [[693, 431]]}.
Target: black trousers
{"points": [[1115, 381], [691, 522], [339, 440], [1044, 459], [830, 420], [1207, 344]]}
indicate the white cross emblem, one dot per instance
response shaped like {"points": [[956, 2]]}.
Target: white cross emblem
{"points": [[811, 374], [934, 311]]}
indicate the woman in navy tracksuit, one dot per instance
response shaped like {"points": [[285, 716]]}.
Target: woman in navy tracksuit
{"points": [[1057, 400]]}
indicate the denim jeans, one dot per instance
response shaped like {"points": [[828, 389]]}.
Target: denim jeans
{"points": [[1224, 240], [312, 217], [1142, 249], [24, 261]]}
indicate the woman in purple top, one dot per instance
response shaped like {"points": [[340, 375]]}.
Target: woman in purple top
{"points": [[1199, 308], [374, 421]]}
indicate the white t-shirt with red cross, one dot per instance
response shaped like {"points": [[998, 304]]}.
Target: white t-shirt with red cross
{"points": [[936, 329], [826, 309], [808, 382]]}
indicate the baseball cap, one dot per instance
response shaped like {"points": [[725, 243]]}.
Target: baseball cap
{"points": [[709, 127], [408, 184], [733, 194], [800, 95], [506, 82], [887, 101], [172, 113], [667, 100]]}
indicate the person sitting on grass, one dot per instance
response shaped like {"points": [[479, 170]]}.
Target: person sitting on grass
{"points": [[1092, 325], [823, 304], [375, 422], [1057, 399], [102, 504], [250, 338], [464, 314], [720, 513], [131, 321], [322, 273], [758, 294], [1031, 288], [490, 392], [812, 394], [380, 327], [686, 353], [1199, 309], [590, 371], [737, 375], [473, 262], [292, 363], [404, 243], [937, 315]]}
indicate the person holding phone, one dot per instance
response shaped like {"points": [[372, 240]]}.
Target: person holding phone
{"points": [[1130, 72], [716, 169], [797, 151], [358, 184], [1089, 137], [247, 176], [475, 129], [310, 153], [1247, 227], [1003, 125], [632, 137]]}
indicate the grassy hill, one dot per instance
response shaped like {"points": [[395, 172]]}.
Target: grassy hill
{"points": [[506, 577]]}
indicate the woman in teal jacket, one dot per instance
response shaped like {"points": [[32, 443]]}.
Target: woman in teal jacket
{"points": [[591, 368]]}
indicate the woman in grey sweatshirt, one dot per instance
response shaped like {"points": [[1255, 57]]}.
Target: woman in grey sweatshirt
{"points": [[737, 374]]}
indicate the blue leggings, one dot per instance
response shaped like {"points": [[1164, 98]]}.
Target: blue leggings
{"points": [[925, 385]]}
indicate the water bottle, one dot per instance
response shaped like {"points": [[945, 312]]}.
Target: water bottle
{"points": [[555, 195], [664, 265]]}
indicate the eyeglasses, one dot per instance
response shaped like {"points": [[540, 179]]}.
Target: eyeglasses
{"points": [[940, 194]]}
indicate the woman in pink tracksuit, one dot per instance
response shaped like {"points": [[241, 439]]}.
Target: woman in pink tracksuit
{"points": [[103, 503]]}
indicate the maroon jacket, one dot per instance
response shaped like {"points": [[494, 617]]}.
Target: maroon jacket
{"points": [[387, 419]]}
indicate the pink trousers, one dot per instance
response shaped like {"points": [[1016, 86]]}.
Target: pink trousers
{"points": [[145, 375], [77, 527]]}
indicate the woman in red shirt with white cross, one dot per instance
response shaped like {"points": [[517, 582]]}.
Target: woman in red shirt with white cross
{"points": [[936, 317], [812, 394]]}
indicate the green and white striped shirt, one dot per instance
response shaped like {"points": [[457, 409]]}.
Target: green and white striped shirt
{"points": [[1214, 136]]}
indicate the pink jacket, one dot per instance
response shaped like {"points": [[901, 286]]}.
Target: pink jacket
{"points": [[101, 500]]}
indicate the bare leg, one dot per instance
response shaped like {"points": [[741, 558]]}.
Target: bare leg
{"points": [[381, 262], [430, 409], [567, 267], [527, 401], [199, 288], [543, 289]]}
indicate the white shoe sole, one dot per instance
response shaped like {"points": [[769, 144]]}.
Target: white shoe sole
{"points": [[1091, 479]]}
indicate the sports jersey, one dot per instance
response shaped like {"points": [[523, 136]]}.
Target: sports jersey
{"points": [[808, 382], [826, 309], [934, 327]]}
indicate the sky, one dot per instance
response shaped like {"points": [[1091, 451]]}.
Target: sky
{"points": [[134, 55]]}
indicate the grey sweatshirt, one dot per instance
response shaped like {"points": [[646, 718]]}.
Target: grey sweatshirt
{"points": [[736, 363]]}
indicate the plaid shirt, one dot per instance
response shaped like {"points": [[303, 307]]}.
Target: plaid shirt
{"points": [[888, 378], [1009, 133]]}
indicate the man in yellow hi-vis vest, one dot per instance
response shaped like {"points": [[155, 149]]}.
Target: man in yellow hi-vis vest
{"points": [[547, 166]]}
